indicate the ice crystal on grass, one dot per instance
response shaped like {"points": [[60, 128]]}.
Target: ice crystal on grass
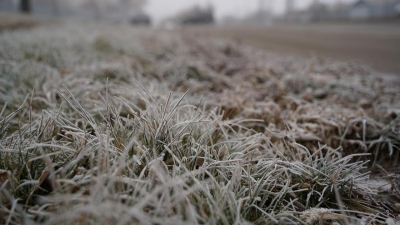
{"points": [[100, 128]]}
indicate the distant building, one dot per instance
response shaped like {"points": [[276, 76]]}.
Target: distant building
{"points": [[362, 9], [369, 9]]}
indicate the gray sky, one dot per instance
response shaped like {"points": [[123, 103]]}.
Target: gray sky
{"points": [[160, 9]]}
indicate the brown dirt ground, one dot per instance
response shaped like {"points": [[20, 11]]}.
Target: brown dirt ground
{"points": [[374, 44], [12, 21]]}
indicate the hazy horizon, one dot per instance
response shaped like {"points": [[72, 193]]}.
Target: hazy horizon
{"points": [[161, 9]]}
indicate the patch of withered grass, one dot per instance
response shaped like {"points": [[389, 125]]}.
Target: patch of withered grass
{"points": [[105, 128]]}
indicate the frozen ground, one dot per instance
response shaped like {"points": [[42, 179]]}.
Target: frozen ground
{"points": [[108, 124]]}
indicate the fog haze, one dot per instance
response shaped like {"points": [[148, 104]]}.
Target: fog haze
{"points": [[161, 9]]}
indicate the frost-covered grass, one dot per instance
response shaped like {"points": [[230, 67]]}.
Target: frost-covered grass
{"points": [[104, 124]]}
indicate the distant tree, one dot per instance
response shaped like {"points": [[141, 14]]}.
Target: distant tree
{"points": [[127, 7], [113, 6], [55, 7], [25, 6], [138, 4], [196, 15], [95, 5]]}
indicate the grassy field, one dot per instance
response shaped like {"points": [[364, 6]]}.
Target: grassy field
{"points": [[109, 124]]}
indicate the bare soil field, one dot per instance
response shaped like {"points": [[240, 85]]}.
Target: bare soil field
{"points": [[376, 44]]}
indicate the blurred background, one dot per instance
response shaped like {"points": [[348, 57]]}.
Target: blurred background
{"points": [[366, 31]]}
